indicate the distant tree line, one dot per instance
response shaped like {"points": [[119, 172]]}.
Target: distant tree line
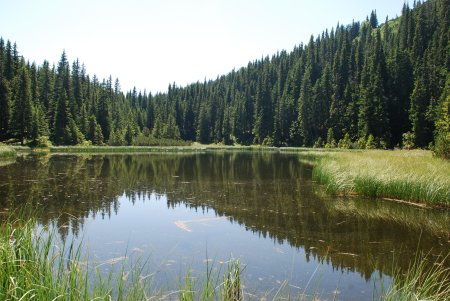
{"points": [[362, 85]]}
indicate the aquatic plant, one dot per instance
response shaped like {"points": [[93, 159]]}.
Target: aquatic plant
{"points": [[424, 280]]}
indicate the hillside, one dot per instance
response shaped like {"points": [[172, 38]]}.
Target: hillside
{"points": [[365, 84]]}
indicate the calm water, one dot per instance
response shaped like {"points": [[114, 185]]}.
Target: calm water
{"points": [[180, 211]]}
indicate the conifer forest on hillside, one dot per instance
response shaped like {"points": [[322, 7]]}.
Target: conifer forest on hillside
{"points": [[366, 84]]}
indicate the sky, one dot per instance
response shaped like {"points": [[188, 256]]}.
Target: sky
{"points": [[149, 44]]}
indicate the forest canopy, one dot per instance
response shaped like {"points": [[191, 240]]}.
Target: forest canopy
{"points": [[361, 85]]}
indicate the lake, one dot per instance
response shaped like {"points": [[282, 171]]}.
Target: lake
{"points": [[196, 211]]}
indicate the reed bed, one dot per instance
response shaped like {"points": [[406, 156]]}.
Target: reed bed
{"points": [[412, 176]]}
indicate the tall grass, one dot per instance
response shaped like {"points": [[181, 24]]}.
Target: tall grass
{"points": [[6, 151], [421, 282], [34, 266], [414, 176], [227, 287]]}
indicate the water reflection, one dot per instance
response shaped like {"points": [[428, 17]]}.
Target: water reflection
{"points": [[271, 195]]}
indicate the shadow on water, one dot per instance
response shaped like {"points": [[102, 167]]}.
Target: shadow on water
{"points": [[270, 194]]}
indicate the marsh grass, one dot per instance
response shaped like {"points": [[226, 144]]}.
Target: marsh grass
{"points": [[426, 279], [413, 176], [6, 151]]}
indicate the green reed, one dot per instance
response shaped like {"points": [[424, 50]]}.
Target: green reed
{"points": [[426, 279]]}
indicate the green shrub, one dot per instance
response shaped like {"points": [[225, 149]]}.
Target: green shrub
{"points": [[142, 140], [442, 145]]}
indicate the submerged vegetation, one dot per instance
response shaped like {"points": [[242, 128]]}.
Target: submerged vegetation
{"points": [[413, 176]]}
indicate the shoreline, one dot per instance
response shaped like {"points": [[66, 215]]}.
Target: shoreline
{"points": [[342, 172]]}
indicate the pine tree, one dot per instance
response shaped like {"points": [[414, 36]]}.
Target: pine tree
{"points": [[420, 34], [203, 131], [171, 130], [103, 113], [9, 64], [22, 113], [226, 130], [417, 112], [77, 90], [40, 124], [442, 135], [373, 114], [45, 85], [2, 57], [263, 109], [34, 83], [373, 21], [98, 135], [62, 115], [62, 119], [129, 135], [73, 134], [306, 111], [5, 108]]}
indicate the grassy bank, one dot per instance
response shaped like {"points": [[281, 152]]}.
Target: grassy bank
{"points": [[6, 151], [34, 266], [412, 176]]}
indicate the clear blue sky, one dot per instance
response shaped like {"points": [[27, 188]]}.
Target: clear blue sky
{"points": [[149, 44]]}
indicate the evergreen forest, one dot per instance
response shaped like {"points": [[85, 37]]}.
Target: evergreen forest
{"points": [[365, 85]]}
